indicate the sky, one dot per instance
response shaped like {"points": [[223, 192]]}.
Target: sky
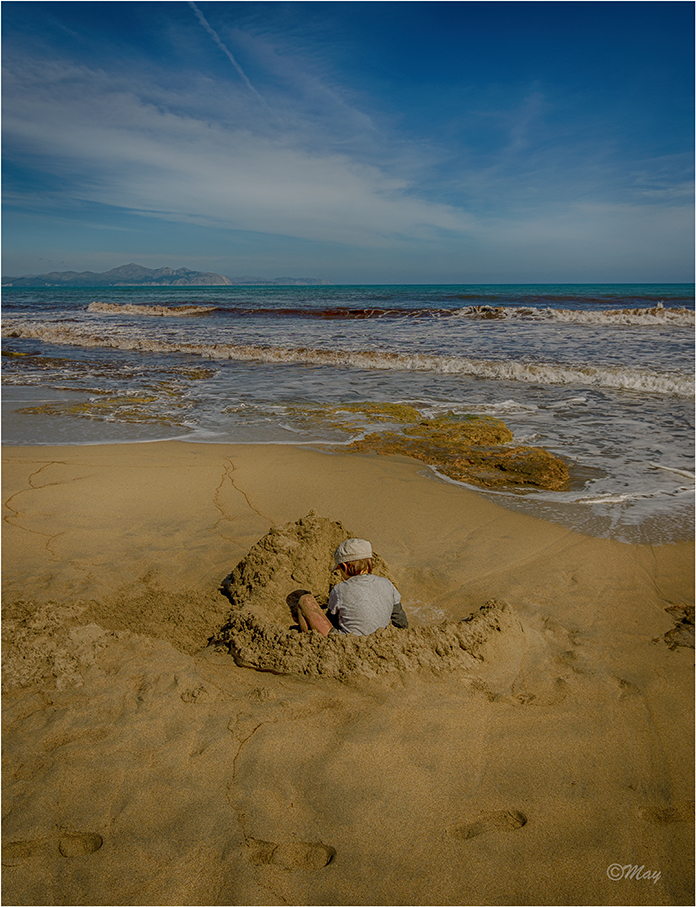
{"points": [[355, 142]]}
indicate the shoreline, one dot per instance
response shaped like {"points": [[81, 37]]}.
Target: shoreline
{"points": [[538, 503], [219, 784], [267, 466]]}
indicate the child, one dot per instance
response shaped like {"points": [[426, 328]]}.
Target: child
{"points": [[362, 602]]}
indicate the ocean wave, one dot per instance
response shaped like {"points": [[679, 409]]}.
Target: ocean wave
{"points": [[578, 297], [656, 315], [612, 377], [325, 312], [112, 308]]}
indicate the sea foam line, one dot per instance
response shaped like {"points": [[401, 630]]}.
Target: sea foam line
{"points": [[619, 377]]}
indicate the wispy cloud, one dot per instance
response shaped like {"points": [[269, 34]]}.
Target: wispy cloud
{"points": [[123, 151], [223, 47]]}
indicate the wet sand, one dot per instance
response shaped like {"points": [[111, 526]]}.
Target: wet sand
{"points": [[143, 767]]}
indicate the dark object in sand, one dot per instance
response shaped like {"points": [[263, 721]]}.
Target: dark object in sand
{"points": [[682, 634]]}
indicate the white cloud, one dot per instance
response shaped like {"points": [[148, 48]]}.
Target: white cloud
{"points": [[118, 149]]}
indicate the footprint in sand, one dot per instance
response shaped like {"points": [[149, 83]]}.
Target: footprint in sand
{"points": [[493, 821], [69, 845], [77, 845], [292, 856], [679, 811], [16, 852]]}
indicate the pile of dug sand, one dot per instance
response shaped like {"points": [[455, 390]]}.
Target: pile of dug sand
{"points": [[298, 557]]}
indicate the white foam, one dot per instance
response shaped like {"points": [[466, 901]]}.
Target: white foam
{"points": [[655, 316], [571, 401], [622, 498], [544, 373], [607, 498], [112, 308], [505, 407], [679, 472]]}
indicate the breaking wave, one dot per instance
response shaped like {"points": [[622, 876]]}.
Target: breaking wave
{"points": [[112, 308], [656, 315], [616, 377]]}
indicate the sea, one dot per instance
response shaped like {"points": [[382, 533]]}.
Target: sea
{"points": [[600, 375]]}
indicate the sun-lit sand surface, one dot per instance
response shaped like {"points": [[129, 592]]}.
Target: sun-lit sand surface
{"points": [[143, 767]]}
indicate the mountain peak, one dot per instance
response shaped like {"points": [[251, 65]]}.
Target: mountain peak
{"points": [[132, 275]]}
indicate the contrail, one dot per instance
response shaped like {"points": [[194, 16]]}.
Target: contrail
{"points": [[214, 35]]}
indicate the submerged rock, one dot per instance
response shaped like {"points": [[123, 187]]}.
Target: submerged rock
{"points": [[380, 412]]}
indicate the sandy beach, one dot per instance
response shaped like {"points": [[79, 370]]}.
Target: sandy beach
{"points": [[142, 766]]}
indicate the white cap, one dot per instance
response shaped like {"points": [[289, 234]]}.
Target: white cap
{"points": [[352, 550]]}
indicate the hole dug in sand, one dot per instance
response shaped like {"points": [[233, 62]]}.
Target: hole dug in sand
{"points": [[260, 633]]}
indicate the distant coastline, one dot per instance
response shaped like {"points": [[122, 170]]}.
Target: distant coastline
{"points": [[132, 275]]}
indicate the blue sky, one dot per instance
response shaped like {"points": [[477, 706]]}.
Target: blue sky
{"points": [[359, 142]]}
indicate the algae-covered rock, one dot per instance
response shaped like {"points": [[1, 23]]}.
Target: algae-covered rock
{"points": [[471, 449], [509, 466], [381, 412], [446, 432]]}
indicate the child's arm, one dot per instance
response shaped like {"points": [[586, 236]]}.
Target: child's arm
{"points": [[398, 618]]}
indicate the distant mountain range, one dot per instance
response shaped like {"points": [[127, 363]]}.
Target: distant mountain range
{"points": [[137, 276]]}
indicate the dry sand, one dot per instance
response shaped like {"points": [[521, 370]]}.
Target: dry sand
{"points": [[142, 767]]}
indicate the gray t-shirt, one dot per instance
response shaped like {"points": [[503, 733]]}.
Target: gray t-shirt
{"points": [[364, 603]]}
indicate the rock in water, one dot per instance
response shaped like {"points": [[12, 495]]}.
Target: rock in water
{"points": [[471, 449]]}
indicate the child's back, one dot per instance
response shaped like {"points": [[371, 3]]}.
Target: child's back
{"points": [[364, 603]]}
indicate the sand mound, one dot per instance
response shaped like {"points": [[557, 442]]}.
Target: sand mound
{"points": [[447, 647], [289, 558], [51, 641], [260, 632], [47, 643]]}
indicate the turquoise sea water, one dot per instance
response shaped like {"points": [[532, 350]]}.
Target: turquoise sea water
{"points": [[602, 375]]}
